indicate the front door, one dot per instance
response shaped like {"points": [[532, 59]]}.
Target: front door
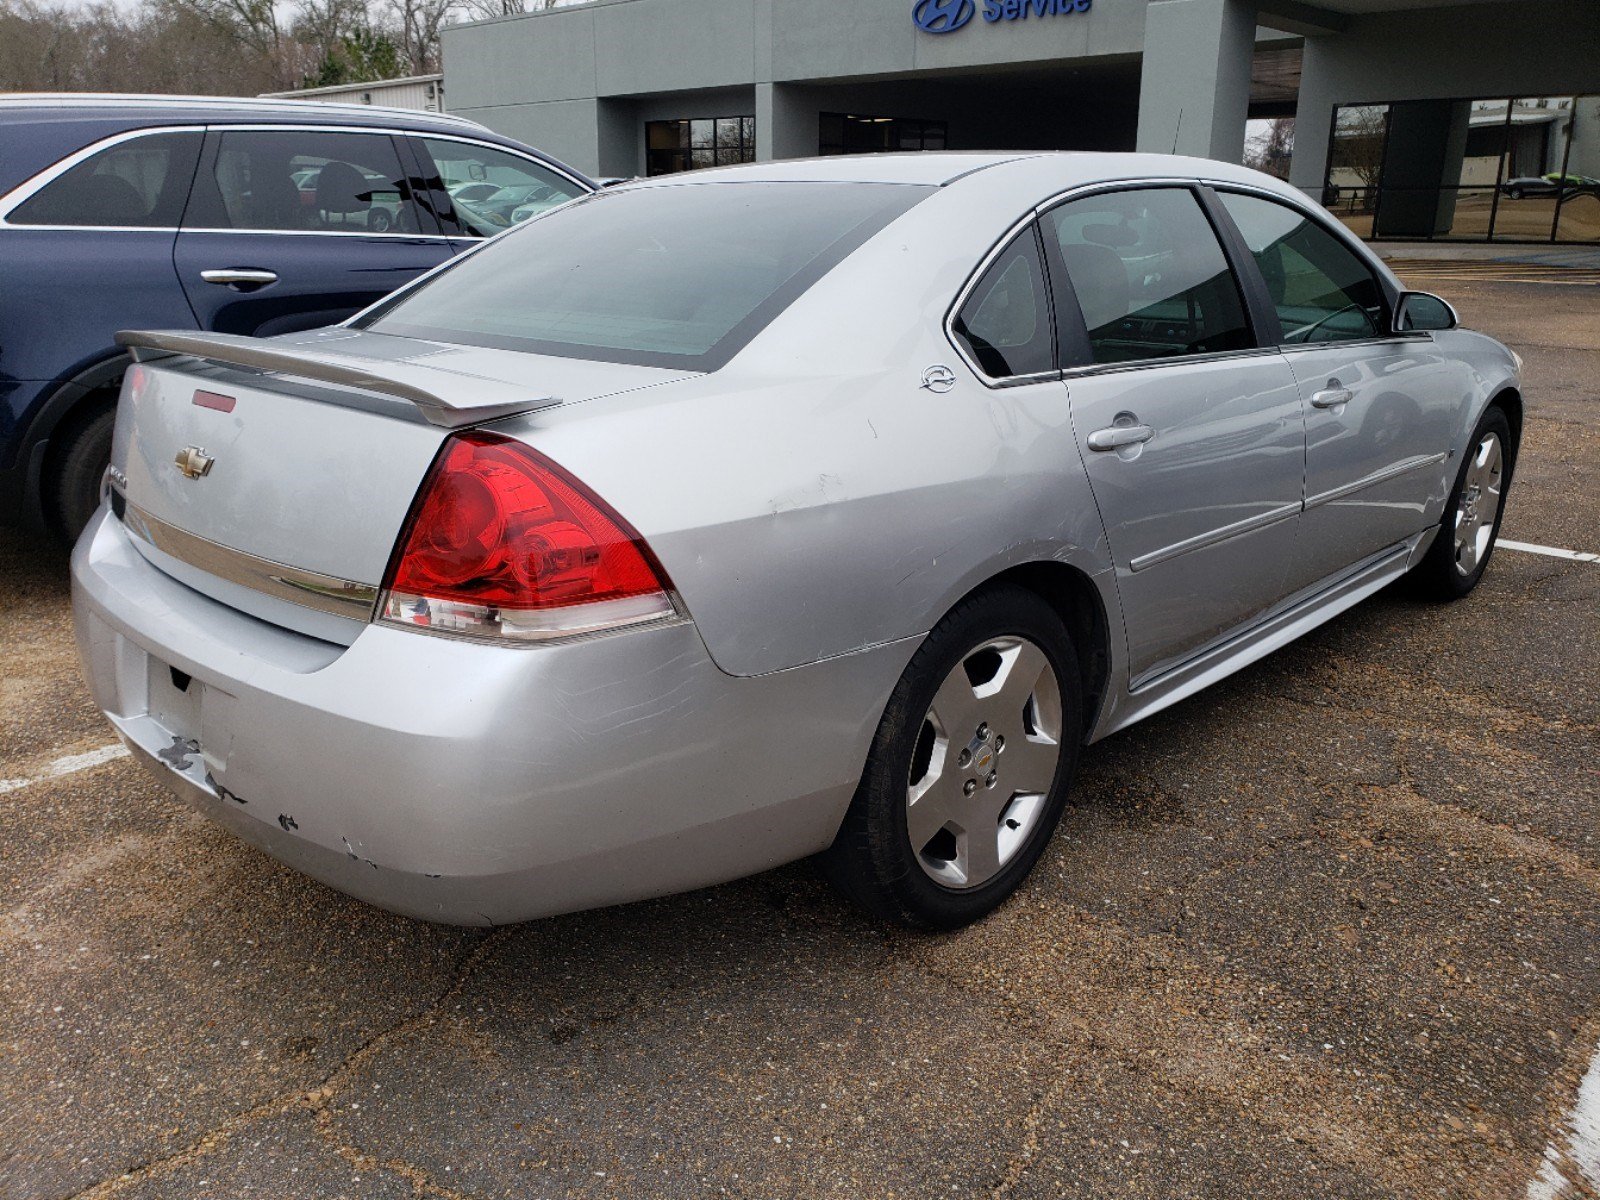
{"points": [[291, 229], [1192, 434], [1380, 409]]}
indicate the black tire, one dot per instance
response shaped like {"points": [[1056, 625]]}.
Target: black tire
{"points": [[1438, 576], [81, 455], [872, 861]]}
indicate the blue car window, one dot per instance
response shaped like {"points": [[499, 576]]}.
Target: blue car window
{"points": [[304, 180], [139, 183], [491, 189]]}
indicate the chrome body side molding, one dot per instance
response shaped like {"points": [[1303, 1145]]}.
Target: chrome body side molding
{"points": [[1147, 697], [341, 597], [1400, 468]]}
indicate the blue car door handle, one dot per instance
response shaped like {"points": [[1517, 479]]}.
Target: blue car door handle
{"points": [[236, 276]]}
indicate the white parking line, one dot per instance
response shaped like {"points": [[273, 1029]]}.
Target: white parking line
{"points": [[1571, 1164], [1549, 551], [67, 765]]}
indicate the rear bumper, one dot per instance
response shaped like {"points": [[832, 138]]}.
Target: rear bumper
{"points": [[467, 783]]}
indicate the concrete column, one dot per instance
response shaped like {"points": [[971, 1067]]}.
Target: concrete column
{"points": [[619, 139], [1194, 89], [1313, 118], [786, 123]]}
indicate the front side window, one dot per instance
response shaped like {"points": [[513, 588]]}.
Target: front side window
{"points": [[492, 189], [303, 180], [1149, 274], [658, 276], [1005, 323], [1323, 292], [672, 146], [140, 183]]}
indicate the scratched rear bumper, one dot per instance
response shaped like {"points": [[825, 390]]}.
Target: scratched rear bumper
{"points": [[468, 783]]}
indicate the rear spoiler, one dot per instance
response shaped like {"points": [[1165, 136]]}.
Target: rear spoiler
{"points": [[448, 398]]}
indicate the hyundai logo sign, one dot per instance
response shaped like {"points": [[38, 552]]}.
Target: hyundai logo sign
{"points": [[941, 16], [947, 16]]}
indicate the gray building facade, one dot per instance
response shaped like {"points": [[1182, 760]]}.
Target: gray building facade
{"points": [[1410, 118]]}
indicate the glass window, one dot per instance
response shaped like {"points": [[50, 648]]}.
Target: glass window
{"points": [[661, 276], [1468, 170], [492, 189], [1578, 208], [688, 145], [1322, 291], [847, 133], [1005, 323], [1355, 162], [304, 180], [140, 183], [1149, 274]]}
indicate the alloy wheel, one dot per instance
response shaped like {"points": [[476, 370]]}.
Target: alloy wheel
{"points": [[984, 763], [1479, 504]]}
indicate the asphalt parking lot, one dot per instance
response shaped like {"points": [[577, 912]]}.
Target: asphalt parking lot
{"points": [[1329, 929]]}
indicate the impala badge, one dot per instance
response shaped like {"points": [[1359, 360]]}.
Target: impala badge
{"points": [[193, 461]]}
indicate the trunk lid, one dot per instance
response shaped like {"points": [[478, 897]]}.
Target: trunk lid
{"points": [[274, 475]]}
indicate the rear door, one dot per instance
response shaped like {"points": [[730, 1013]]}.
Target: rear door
{"points": [[86, 250], [1380, 407], [295, 228], [1190, 429]]}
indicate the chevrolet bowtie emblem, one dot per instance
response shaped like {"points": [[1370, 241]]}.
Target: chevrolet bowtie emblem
{"points": [[193, 461]]}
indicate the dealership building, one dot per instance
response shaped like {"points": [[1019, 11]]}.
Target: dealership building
{"points": [[1411, 119]]}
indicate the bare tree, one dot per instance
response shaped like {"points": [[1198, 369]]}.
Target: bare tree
{"points": [[484, 9], [419, 24]]}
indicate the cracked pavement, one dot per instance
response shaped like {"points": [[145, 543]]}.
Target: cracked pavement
{"points": [[1327, 929]]}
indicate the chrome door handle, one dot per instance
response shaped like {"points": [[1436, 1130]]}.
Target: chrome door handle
{"points": [[1331, 398], [1115, 437], [234, 275]]}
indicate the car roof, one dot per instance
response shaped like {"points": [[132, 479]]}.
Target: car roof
{"points": [[141, 109], [930, 167], [940, 168]]}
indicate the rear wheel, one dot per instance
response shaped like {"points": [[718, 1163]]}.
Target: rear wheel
{"points": [[970, 767], [1460, 552], [82, 454]]}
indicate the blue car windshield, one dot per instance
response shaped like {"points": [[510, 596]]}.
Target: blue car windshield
{"points": [[675, 276]]}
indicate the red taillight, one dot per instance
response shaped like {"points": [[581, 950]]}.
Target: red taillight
{"points": [[503, 543]]}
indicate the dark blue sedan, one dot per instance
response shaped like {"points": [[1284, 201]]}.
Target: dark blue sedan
{"points": [[241, 216]]}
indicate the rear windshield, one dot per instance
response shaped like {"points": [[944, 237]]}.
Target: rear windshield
{"points": [[674, 276]]}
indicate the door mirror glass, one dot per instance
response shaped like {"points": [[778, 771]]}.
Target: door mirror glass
{"points": [[1422, 311]]}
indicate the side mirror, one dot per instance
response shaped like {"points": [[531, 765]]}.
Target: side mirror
{"points": [[1420, 312]]}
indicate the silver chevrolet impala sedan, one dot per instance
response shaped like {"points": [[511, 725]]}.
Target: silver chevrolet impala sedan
{"points": [[806, 508]]}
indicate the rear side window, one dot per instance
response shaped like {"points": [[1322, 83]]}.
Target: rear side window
{"points": [[1323, 292], [676, 276], [1005, 322], [140, 183], [491, 189], [1149, 274], [303, 180]]}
